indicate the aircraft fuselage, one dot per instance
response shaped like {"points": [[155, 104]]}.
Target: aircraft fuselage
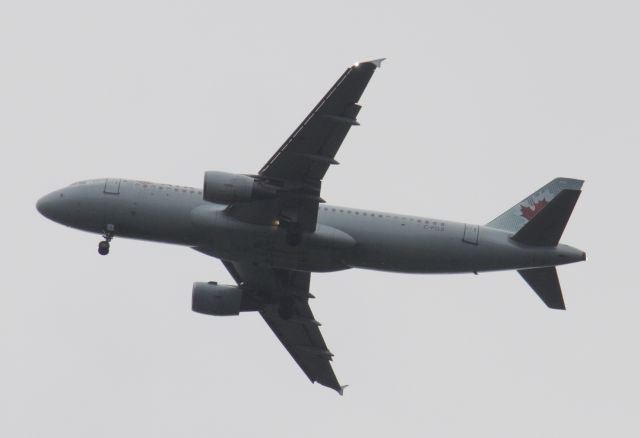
{"points": [[344, 237]]}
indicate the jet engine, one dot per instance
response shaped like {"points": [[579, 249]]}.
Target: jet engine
{"points": [[213, 299], [225, 188]]}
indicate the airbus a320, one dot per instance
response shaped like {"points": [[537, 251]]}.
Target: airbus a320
{"points": [[272, 229]]}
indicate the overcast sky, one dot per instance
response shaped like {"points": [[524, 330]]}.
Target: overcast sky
{"points": [[477, 105]]}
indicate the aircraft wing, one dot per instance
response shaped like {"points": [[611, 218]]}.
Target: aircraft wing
{"points": [[300, 334], [310, 150], [300, 164]]}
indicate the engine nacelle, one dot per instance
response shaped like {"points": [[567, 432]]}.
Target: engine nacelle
{"points": [[226, 188], [213, 299]]}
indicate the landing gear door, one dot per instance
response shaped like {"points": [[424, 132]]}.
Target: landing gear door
{"points": [[471, 234], [112, 186]]}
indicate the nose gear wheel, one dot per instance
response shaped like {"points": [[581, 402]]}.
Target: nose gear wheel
{"points": [[105, 245]]}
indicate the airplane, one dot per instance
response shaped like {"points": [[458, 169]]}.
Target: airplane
{"points": [[272, 229]]}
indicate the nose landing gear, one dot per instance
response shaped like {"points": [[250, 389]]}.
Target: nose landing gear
{"points": [[103, 247]]}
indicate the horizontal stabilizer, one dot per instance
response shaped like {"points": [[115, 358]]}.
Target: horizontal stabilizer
{"points": [[546, 227], [544, 282]]}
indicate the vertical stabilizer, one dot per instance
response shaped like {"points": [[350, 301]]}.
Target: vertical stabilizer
{"points": [[521, 213], [546, 228]]}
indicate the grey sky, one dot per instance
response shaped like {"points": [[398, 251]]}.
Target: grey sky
{"points": [[478, 104]]}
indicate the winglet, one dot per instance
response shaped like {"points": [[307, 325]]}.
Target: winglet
{"points": [[376, 62], [341, 391]]}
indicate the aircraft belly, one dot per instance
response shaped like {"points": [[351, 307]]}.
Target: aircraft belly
{"points": [[436, 247], [402, 246], [447, 249], [152, 215], [230, 239]]}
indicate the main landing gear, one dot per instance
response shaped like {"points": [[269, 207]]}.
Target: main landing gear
{"points": [[103, 247]]}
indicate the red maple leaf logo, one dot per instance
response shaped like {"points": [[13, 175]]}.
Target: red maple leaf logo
{"points": [[529, 213]]}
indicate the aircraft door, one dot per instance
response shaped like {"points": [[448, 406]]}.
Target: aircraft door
{"points": [[112, 186], [471, 234]]}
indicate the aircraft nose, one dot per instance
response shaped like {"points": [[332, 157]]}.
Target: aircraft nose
{"points": [[44, 204], [48, 205]]}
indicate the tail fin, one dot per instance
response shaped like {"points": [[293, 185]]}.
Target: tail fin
{"points": [[540, 220], [546, 228], [520, 214], [544, 281]]}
